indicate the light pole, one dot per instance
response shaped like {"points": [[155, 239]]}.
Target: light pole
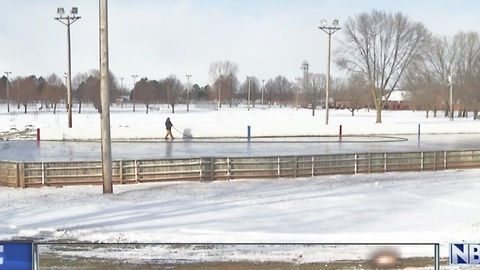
{"points": [[306, 81], [134, 99], [121, 82], [248, 95], [450, 81], [329, 29], [188, 90], [68, 20], [8, 91], [298, 87]]}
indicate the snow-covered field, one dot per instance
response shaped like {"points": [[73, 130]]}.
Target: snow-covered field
{"points": [[228, 122], [423, 207]]}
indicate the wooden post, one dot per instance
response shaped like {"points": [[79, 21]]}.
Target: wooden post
{"points": [[21, 175], [105, 100]]}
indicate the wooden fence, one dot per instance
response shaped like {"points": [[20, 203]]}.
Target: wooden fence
{"points": [[40, 174]]}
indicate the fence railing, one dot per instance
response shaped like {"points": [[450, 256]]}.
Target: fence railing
{"points": [[39, 174]]}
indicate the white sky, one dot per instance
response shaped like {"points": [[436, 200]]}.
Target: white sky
{"points": [[156, 38]]}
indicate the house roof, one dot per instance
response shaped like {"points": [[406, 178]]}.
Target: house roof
{"points": [[399, 95]]}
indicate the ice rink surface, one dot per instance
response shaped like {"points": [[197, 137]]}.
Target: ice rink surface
{"points": [[45, 151]]}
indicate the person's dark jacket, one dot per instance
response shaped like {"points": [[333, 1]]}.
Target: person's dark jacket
{"points": [[168, 124]]}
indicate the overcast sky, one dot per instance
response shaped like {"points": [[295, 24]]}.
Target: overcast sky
{"points": [[156, 38]]}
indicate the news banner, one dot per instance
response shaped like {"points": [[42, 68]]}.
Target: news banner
{"points": [[23, 255]]}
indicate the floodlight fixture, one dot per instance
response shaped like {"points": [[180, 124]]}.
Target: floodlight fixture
{"points": [[324, 22], [60, 11], [74, 10], [335, 22]]}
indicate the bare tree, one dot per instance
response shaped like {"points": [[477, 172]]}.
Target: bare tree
{"points": [[249, 89], [3, 87], [145, 92], [92, 88], [381, 46], [314, 89], [421, 82], [440, 57], [27, 91], [80, 89], [283, 90], [269, 92], [225, 82], [354, 93], [54, 91], [174, 89], [467, 72]]}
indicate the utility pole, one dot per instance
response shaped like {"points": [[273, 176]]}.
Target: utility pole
{"points": [[329, 29], [8, 91], [220, 92], [450, 81], [105, 100], [306, 80], [121, 79], [134, 94], [68, 20], [248, 95], [305, 65], [188, 90]]}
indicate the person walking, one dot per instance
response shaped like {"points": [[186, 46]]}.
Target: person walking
{"points": [[168, 126]]}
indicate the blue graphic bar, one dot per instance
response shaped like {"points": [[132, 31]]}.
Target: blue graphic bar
{"points": [[16, 255]]}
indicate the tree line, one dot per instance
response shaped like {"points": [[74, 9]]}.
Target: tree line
{"points": [[380, 52]]}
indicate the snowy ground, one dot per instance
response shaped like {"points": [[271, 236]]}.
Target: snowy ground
{"points": [[427, 207], [227, 122]]}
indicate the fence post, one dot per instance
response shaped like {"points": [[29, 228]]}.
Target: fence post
{"points": [[422, 161], [444, 160], [136, 170], [356, 164], [201, 169], [21, 175], [120, 171], [295, 172], [43, 174], [313, 165], [369, 162], [229, 170], [278, 167], [385, 162], [212, 169]]}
